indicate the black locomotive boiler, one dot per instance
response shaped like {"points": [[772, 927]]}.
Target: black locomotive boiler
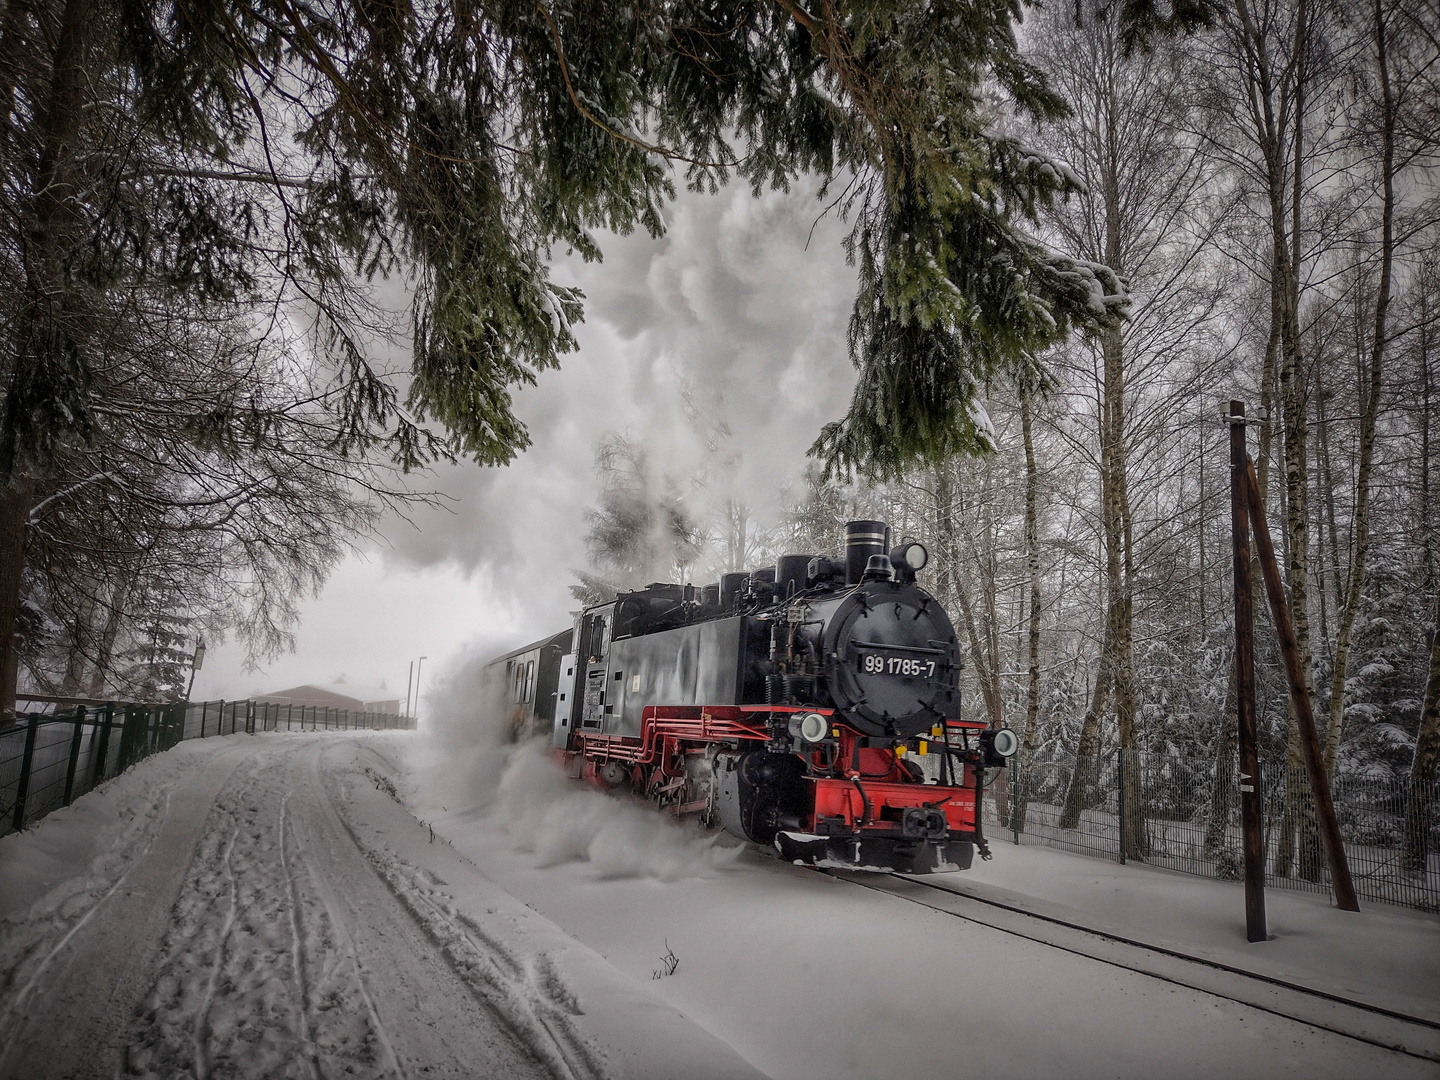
{"points": [[813, 705]]}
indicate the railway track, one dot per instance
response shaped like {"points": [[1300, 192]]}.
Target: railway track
{"points": [[1405, 1033]]}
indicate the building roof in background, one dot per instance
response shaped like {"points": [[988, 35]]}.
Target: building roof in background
{"points": [[336, 696]]}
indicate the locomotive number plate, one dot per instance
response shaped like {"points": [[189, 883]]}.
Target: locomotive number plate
{"points": [[876, 664]]}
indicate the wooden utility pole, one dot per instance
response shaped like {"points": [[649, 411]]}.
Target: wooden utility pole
{"points": [[1300, 698], [1250, 821]]}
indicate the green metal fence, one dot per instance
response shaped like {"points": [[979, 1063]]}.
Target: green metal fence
{"points": [[49, 759], [1188, 820]]}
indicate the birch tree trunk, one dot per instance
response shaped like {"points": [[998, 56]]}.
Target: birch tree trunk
{"points": [[1077, 794], [1372, 397], [1032, 559], [1275, 98], [1119, 573], [1222, 791]]}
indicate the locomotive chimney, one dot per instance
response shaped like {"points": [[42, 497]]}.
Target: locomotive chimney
{"points": [[863, 539]]}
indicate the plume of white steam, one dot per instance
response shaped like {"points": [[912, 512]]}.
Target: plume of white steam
{"points": [[465, 761], [560, 820], [465, 742]]}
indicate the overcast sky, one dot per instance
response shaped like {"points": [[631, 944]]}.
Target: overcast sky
{"points": [[732, 305]]}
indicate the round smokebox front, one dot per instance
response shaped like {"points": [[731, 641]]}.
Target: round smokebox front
{"points": [[896, 663]]}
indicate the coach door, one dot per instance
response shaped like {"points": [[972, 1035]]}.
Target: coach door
{"points": [[595, 649], [565, 700]]}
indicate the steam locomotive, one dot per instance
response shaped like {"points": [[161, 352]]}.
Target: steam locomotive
{"points": [[813, 705]]}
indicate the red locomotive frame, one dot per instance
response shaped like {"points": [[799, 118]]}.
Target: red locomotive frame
{"points": [[866, 797]]}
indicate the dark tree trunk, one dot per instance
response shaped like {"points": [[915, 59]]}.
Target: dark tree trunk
{"points": [[14, 523], [45, 332]]}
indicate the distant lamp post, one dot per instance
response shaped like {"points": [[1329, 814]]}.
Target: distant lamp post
{"points": [[196, 662], [409, 685], [418, 666]]}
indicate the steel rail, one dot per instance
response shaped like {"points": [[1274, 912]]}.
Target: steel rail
{"points": [[1174, 954]]}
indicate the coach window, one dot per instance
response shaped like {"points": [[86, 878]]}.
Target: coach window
{"points": [[530, 680]]}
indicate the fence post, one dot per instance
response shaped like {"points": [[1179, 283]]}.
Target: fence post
{"points": [[1120, 765], [131, 733], [1015, 799], [74, 753], [97, 769], [94, 738], [23, 792]]}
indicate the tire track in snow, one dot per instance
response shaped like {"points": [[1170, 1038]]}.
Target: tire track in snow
{"points": [[528, 998], [327, 898], [532, 998], [233, 964], [297, 953], [202, 1017], [280, 941]]}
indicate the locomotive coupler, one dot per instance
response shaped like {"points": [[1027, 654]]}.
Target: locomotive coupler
{"points": [[925, 823]]}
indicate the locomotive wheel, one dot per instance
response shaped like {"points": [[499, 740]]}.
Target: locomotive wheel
{"points": [[664, 790], [612, 774]]}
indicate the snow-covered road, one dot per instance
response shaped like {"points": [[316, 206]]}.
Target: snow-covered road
{"points": [[248, 913], [272, 906]]}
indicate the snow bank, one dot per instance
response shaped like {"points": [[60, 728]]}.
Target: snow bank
{"points": [[84, 847]]}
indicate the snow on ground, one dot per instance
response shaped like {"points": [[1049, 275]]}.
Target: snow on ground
{"points": [[1387, 956], [278, 905], [808, 975], [264, 907]]}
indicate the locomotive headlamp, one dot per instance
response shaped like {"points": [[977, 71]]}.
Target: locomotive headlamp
{"points": [[916, 556], [998, 745], [908, 557], [809, 727]]}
